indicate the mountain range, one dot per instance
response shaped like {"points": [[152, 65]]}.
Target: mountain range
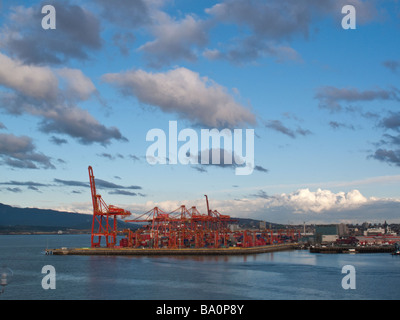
{"points": [[14, 219]]}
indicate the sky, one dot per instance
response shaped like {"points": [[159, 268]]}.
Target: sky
{"points": [[89, 82]]}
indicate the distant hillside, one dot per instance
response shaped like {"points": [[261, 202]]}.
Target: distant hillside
{"points": [[26, 218], [13, 219], [246, 223]]}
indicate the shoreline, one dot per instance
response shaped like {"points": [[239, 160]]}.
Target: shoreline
{"points": [[35, 233]]}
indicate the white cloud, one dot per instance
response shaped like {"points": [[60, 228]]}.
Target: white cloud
{"points": [[174, 39], [77, 83], [51, 94], [20, 152], [43, 83], [36, 82], [320, 206], [185, 92], [265, 27], [77, 33], [304, 200]]}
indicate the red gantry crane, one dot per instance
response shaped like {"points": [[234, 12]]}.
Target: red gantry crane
{"points": [[104, 217], [181, 228]]}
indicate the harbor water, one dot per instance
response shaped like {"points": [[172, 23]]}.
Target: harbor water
{"points": [[288, 275]]}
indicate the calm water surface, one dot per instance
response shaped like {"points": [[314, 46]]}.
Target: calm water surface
{"points": [[281, 275]]}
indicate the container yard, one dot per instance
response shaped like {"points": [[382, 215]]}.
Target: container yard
{"points": [[182, 231]]}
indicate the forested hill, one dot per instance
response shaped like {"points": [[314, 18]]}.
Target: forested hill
{"points": [[13, 219]]}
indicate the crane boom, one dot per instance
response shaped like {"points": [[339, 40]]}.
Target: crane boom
{"points": [[93, 189], [208, 207]]}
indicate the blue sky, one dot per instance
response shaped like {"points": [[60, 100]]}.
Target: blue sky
{"points": [[323, 102]]}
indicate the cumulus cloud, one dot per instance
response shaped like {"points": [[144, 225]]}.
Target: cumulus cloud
{"points": [[52, 94], [79, 124], [266, 27], [20, 152], [33, 81], [77, 84], [318, 201], [320, 206], [77, 33], [186, 93], [175, 40]]}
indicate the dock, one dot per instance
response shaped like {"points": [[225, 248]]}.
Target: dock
{"points": [[353, 249], [167, 251]]}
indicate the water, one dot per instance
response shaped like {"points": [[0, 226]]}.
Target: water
{"points": [[281, 275]]}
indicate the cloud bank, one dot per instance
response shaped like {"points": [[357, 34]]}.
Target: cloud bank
{"points": [[319, 206]]}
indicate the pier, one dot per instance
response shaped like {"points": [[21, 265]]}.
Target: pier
{"points": [[159, 252]]}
